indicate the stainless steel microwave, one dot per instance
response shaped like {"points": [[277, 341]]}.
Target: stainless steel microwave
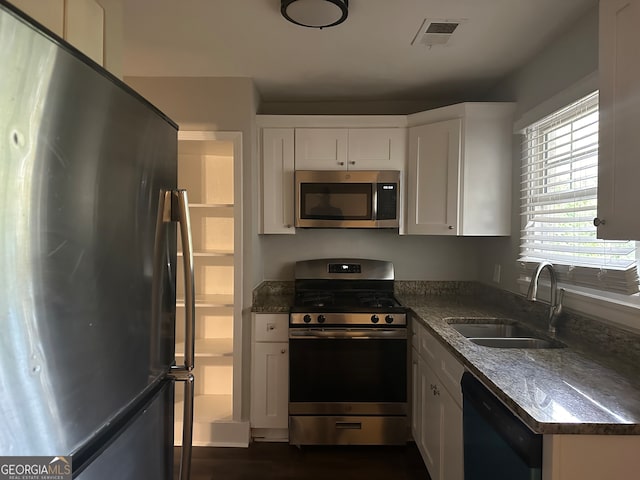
{"points": [[347, 198]]}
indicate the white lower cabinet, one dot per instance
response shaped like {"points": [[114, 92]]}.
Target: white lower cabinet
{"points": [[270, 377], [436, 410]]}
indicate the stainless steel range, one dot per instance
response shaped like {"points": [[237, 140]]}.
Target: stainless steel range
{"points": [[347, 355]]}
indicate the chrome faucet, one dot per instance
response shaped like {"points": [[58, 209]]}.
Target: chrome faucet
{"points": [[555, 304]]}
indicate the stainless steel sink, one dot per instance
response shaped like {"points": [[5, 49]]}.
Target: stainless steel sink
{"points": [[502, 333], [517, 342], [490, 330]]}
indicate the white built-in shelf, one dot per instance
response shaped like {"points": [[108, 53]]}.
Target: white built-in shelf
{"points": [[212, 300], [209, 348], [210, 253], [210, 205], [208, 409]]}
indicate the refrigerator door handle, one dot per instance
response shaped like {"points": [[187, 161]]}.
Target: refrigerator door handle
{"points": [[187, 422], [180, 214]]}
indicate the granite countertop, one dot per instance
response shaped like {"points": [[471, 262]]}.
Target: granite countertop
{"points": [[591, 387], [554, 391], [273, 297]]}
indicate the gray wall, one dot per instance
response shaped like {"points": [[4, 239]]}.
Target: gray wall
{"points": [[414, 257], [555, 76], [222, 105], [567, 60]]}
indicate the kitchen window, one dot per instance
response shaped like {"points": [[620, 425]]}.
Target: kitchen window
{"points": [[559, 198]]}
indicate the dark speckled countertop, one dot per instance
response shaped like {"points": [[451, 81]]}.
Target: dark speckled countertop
{"points": [[590, 387], [554, 391]]}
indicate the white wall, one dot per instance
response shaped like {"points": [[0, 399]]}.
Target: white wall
{"points": [[569, 60]]}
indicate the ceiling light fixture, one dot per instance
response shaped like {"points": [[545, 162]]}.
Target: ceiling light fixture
{"points": [[315, 13]]}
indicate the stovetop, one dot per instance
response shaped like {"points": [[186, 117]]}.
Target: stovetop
{"points": [[347, 308], [346, 300], [345, 292]]}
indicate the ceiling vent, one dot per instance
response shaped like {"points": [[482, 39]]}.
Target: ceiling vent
{"points": [[435, 32]]}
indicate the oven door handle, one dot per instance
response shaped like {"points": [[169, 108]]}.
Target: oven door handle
{"points": [[337, 333]]}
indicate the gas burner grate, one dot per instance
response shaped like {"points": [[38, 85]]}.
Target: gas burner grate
{"points": [[316, 299], [376, 300]]}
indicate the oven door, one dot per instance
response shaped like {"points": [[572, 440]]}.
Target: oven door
{"points": [[348, 386], [348, 371]]}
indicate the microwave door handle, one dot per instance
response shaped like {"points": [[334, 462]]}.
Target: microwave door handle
{"points": [[374, 200]]}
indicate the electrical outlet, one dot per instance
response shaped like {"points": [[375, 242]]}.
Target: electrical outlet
{"points": [[496, 273]]}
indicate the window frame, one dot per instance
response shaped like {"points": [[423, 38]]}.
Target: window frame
{"points": [[616, 309]]}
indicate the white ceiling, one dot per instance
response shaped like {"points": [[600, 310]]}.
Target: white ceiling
{"points": [[369, 57]]}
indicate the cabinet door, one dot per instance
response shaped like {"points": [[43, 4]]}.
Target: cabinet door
{"points": [[431, 417], [321, 148], [84, 27], [618, 172], [79, 22], [452, 466], [270, 386], [49, 13], [377, 149], [277, 180], [416, 396], [433, 185]]}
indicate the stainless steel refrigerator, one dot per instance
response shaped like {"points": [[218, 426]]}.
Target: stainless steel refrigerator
{"points": [[89, 215]]}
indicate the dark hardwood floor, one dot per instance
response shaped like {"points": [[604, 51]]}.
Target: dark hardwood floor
{"points": [[281, 461]]}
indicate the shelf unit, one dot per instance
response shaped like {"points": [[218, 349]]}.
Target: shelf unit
{"points": [[206, 169]]}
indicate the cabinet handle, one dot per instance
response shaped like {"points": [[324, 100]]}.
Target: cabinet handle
{"points": [[340, 163], [436, 392], [352, 162], [284, 350], [450, 227], [598, 221], [271, 327]]}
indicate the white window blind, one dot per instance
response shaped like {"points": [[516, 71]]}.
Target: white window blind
{"points": [[559, 187]]}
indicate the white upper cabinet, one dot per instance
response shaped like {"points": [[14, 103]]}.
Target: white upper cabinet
{"points": [[80, 22], [434, 164], [618, 166], [459, 170], [321, 148], [350, 148], [301, 142], [277, 180]]}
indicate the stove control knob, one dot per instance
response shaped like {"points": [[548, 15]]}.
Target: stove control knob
{"points": [[321, 318], [375, 318], [388, 319], [306, 318]]}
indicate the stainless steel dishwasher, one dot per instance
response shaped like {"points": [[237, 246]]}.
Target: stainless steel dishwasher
{"points": [[497, 444]]}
